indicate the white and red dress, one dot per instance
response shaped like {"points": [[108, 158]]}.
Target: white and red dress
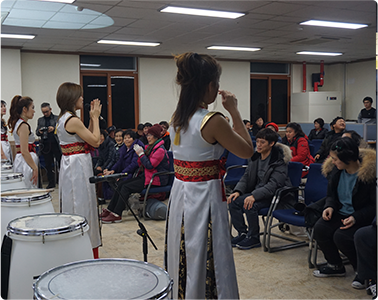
{"points": [[199, 255], [77, 195], [19, 164]]}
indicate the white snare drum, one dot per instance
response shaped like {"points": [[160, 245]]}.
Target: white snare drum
{"points": [[104, 279], [41, 242], [11, 181], [6, 168], [4, 161], [19, 205]]}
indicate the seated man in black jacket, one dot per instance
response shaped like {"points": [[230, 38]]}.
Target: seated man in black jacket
{"points": [[266, 172], [331, 136]]}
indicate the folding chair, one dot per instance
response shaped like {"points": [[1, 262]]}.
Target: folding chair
{"points": [[317, 144], [235, 167], [315, 189], [159, 189]]}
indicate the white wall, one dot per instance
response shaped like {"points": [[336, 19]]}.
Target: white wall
{"points": [[10, 76], [157, 89], [360, 82], [158, 92], [42, 74]]}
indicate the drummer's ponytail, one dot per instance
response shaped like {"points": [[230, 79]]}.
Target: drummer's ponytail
{"points": [[17, 105]]}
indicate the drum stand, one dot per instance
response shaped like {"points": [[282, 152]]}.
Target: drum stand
{"points": [[142, 231]]}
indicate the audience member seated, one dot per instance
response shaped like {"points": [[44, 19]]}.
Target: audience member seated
{"points": [[111, 132], [143, 139], [356, 138], [165, 135], [247, 124], [298, 143], [266, 172], [140, 130], [275, 128], [350, 204], [319, 132], [365, 240], [105, 157], [257, 126], [152, 159], [118, 137], [368, 115], [106, 152], [338, 125]]}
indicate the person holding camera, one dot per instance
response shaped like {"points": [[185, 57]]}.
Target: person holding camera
{"points": [[49, 143]]}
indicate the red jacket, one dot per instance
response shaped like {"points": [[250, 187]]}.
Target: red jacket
{"points": [[300, 151]]}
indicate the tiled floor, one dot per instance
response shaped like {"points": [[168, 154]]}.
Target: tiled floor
{"points": [[261, 275]]}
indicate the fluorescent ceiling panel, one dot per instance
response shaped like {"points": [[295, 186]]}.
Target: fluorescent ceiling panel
{"points": [[202, 12], [61, 1], [232, 48], [320, 53], [333, 24], [128, 43], [17, 36]]}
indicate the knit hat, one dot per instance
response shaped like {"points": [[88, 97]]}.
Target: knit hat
{"points": [[272, 124], [155, 131]]}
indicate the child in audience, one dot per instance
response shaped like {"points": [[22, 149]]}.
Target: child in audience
{"points": [[298, 142], [319, 132], [165, 135], [350, 204]]}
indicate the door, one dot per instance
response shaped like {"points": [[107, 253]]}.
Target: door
{"points": [[270, 98]]}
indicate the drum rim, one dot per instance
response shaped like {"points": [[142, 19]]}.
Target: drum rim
{"points": [[8, 176], [47, 232], [12, 199], [159, 295], [6, 167]]}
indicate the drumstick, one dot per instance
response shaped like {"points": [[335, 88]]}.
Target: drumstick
{"points": [[20, 192]]}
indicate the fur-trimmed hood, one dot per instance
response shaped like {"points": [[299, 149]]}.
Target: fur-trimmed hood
{"points": [[286, 151], [367, 171]]}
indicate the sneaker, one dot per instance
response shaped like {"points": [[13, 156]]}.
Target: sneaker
{"points": [[248, 243], [372, 288], [358, 283], [238, 239], [101, 201], [105, 213], [111, 218], [330, 271]]}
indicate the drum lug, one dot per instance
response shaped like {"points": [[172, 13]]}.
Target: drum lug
{"points": [[82, 230], [29, 201], [43, 237]]}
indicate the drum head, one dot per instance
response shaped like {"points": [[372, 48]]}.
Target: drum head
{"points": [[46, 224], [31, 195], [104, 279]]}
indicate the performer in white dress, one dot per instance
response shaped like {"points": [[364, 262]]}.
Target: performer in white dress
{"points": [[6, 151], [77, 195], [26, 160], [199, 256]]}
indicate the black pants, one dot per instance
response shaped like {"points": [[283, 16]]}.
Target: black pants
{"points": [[133, 185], [237, 218], [50, 150], [331, 239], [365, 240]]}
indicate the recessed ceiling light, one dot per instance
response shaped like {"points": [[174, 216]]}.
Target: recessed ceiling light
{"points": [[128, 43], [232, 48], [333, 24], [61, 1], [17, 36], [320, 53], [202, 12]]}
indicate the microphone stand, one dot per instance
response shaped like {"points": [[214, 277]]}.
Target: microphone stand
{"points": [[142, 231]]}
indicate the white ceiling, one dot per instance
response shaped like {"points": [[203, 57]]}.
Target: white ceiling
{"points": [[271, 25]]}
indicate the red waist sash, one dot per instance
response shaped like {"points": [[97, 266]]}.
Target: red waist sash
{"points": [[75, 148], [4, 137], [31, 148], [197, 171]]}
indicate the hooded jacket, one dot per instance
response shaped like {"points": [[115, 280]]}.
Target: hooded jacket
{"points": [[128, 160], [275, 177], [157, 161], [364, 191]]}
